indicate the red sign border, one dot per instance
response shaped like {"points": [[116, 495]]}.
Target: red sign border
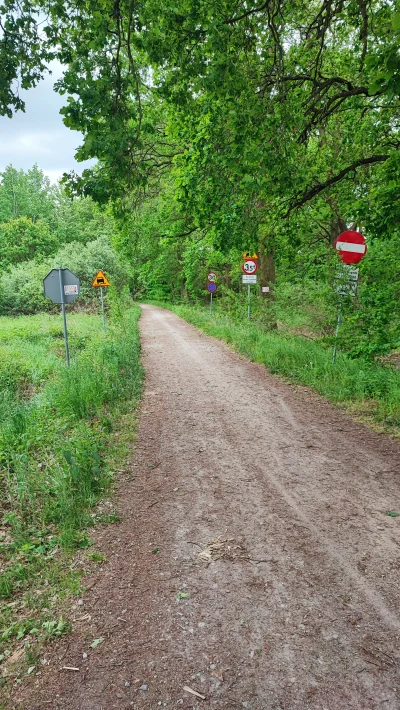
{"points": [[253, 272]]}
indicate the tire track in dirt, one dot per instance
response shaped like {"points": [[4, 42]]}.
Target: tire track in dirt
{"points": [[298, 608]]}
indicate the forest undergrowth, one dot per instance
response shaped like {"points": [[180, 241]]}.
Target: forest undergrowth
{"points": [[63, 434]]}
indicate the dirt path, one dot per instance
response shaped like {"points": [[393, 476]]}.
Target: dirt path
{"points": [[300, 610]]}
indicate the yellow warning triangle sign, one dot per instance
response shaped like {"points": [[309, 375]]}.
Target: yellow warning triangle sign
{"points": [[100, 280]]}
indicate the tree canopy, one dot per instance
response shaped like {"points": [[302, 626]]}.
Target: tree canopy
{"points": [[224, 126]]}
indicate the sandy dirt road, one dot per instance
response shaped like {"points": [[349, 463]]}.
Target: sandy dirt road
{"points": [[296, 605]]}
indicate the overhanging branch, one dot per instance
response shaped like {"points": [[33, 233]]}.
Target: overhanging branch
{"points": [[177, 236], [308, 195], [252, 11]]}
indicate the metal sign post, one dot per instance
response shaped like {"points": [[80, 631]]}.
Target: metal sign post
{"points": [[345, 284], [339, 320], [62, 286], [249, 268], [102, 308], [249, 279], [64, 315], [99, 281], [351, 248], [211, 288]]}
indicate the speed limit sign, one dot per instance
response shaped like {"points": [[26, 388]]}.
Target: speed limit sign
{"points": [[250, 266]]}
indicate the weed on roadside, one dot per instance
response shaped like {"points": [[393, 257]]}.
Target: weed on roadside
{"points": [[60, 443]]}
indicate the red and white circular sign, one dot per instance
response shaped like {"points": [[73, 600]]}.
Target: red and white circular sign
{"points": [[250, 266], [212, 276], [351, 247]]}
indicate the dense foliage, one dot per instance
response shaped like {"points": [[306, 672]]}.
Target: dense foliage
{"points": [[42, 228], [222, 127]]}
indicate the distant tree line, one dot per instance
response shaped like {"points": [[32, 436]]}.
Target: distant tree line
{"points": [[42, 227]]}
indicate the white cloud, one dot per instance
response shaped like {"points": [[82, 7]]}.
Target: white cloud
{"points": [[39, 135]]}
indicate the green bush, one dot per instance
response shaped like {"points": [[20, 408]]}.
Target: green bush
{"points": [[372, 323], [22, 239], [21, 288]]}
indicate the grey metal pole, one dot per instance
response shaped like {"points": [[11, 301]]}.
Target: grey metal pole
{"points": [[64, 315], [339, 320], [248, 298], [210, 302], [102, 308]]}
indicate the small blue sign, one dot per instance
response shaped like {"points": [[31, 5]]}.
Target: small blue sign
{"points": [[212, 288]]}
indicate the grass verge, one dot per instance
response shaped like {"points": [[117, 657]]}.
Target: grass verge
{"points": [[60, 441], [370, 390]]}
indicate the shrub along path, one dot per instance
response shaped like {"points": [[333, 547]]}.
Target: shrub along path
{"points": [[255, 563]]}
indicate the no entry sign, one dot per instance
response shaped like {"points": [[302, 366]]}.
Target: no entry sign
{"points": [[351, 247]]}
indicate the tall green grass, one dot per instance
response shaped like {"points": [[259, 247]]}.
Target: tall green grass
{"points": [[369, 388], [57, 425]]}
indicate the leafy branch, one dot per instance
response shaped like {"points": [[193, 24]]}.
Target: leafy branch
{"points": [[309, 194]]}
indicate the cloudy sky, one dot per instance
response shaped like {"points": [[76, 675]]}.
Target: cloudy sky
{"points": [[39, 135]]}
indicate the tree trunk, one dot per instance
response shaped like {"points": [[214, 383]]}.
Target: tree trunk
{"points": [[266, 265], [337, 226], [337, 223], [267, 276], [227, 277], [183, 290]]}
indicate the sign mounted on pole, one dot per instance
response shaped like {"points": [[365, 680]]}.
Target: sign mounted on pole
{"points": [[212, 276], [249, 266], [100, 280], [62, 286], [249, 279], [351, 247], [346, 280], [70, 290], [211, 288]]}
